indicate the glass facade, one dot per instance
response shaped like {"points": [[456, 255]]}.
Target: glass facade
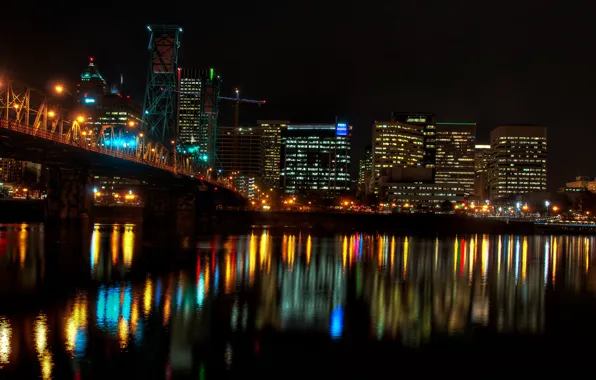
{"points": [[189, 132], [272, 130], [316, 158], [481, 156], [396, 144], [426, 120], [240, 150], [518, 161], [455, 154]]}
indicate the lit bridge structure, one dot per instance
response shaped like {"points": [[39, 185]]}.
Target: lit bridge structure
{"points": [[74, 155]]}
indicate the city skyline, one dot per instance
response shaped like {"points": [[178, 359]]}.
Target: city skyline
{"points": [[326, 76]]}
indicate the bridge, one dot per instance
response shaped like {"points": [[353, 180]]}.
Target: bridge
{"points": [[75, 154]]}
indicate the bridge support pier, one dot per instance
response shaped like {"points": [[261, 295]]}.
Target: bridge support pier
{"points": [[69, 194]]}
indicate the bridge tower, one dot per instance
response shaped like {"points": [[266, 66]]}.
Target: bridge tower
{"points": [[159, 107]]}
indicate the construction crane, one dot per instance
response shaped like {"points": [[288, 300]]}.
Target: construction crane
{"points": [[237, 100]]}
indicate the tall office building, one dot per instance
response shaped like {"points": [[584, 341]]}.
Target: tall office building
{"points": [[365, 172], [481, 157], [240, 150], [92, 85], [518, 160], [455, 154], [426, 120], [198, 112], [396, 144], [316, 158], [189, 133], [272, 130]]}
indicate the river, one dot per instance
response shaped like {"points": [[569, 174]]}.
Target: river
{"points": [[119, 301]]}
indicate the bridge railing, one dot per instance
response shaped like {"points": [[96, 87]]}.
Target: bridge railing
{"points": [[69, 140]]}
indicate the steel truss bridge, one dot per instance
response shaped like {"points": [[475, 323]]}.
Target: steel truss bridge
{"points": [[46, 128]]}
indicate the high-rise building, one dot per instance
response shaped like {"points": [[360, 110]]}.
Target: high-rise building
{"points": [[116, 117], [481, 157], [240, 150], [426, 120], [198, 112], [91, 85], [189, 133], [316, 159], [365, 172], [455, 154], [396, 144], [272, 130], [518, 161]]}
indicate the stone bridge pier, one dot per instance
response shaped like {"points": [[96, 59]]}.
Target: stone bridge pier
{"points": [[69, 193]]}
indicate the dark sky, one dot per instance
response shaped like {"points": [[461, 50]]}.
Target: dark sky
{"points": [[524, 61]]}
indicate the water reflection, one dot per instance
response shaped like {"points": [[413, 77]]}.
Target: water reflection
{"points": [[112, 248], [381, 287]]}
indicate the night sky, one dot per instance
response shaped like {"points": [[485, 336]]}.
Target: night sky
{"points": [[513, 62]]}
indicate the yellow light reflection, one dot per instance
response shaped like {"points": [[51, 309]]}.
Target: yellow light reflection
{"points": [[23, 245], [5, 340], [524, 258], [40, 333], [308, 249], [264, 247], [284, 248], [252, 258], [228, 275], [147, 297], [345, 251], [115, 245], [406, 250], [381, 249], [94, 247], [128, 247], [485, 250], [554, 262], [123, 333], [40, 336], [167, 306], [76, 320], [291, 252], [587, 246], [392, 254], [134, 317], [455, 256]]}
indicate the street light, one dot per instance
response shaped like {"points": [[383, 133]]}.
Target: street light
{"points": [[80, 119], [59, 89]]}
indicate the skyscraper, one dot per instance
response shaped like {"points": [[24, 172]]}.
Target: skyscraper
{"points": [[316, 158], [518, 160], [481, 157], [426, 120], [198, 113], [189, 133], [365, 172], [240, 150], [396, 144], [91, 85], [272, 130], [455, 154]]}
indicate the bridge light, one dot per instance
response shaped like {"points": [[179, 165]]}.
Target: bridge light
{"points": [[51, 114], [80, 119], [131, 123], [16, 106], [59, 89]]}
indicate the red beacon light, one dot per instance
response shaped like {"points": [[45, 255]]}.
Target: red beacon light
{"points": [[91, 59]]}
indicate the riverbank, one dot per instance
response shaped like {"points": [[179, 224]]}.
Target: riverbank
{"points": [[22, 211], [411, 224]]}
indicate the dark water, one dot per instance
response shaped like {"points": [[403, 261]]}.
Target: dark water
{"points": [[113, 301]]}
